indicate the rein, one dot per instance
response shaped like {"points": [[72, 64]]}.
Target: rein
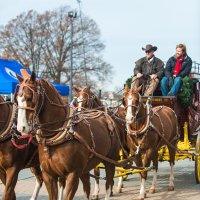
{"points": [[111, 114], [9, 132], [124, 163]]}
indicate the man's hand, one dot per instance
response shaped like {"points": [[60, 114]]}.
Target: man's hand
{"points": [[153, 76], [139, 75]]}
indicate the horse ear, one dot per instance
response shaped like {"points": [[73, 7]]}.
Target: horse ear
{"points": [[33, 76], [76, 89], [88, 87], [24, 73], [123, 102], [19, 78]]}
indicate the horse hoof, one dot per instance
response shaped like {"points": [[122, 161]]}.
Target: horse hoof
{"points": [[142, 198], [119, 190], [95, 197], [152, 190], [111, 194], [171, 188]]}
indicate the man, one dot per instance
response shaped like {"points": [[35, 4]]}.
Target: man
{"points": [[177, 67], [148, 71]]}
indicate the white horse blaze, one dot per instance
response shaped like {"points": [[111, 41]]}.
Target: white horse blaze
{"points": [[80, 102], [22, 124], [129, 114]]}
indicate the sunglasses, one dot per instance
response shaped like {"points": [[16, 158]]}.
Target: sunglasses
{"points": [[148, 52]]}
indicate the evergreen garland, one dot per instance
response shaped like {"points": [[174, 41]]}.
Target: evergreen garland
{"points": [[185, 94]]}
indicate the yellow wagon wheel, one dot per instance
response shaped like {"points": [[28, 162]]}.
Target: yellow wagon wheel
{"points": [[197, 160]]}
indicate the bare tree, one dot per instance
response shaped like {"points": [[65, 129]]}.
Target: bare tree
{"points": [[42, 42], [22, 39]]}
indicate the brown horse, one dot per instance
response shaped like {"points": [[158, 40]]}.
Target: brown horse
{"points": [[86, 99], [149, 129], [14, 159], [66, 148]]}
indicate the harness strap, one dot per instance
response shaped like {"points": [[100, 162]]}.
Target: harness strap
{"points": [[6, 133], [169, 143], [125, 163]]}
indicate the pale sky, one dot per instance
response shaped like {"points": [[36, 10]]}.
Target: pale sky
{"points": [[127, 25]]}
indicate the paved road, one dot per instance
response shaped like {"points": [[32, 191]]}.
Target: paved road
{"points": [[185, 186]]}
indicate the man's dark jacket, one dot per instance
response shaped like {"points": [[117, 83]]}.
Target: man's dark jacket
{"points": [[156, 66], [185, 69]]}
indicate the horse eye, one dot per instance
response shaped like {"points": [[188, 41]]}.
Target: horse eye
{"points": [[28, 99]]}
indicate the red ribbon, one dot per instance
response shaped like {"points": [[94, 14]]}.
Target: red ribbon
{"points": [[22, 146]]}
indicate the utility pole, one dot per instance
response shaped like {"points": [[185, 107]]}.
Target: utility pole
{"points": [[82, 35], [72, 15]]}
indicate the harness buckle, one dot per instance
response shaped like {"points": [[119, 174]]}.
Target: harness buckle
{"points": [[137, 149]]}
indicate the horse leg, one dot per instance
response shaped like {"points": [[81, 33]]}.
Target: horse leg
{"points": [[51, 185], [138, 162], [110, 172], [85, 178], [96, 184], [39, 180], [72, 185], [3, 179], [155, 170], [145, 162], [120, 184], [3, 176], [171, 161], [62, 184], [11, 180]]}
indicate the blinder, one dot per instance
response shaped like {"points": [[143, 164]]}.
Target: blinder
{"points": [[35, 96]]}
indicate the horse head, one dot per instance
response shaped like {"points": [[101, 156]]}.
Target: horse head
{"points": [[132, 102], [33, 96], [85, 98], [26, 97]]}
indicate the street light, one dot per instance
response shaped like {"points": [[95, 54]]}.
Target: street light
{"points": [[72, 15], [82, 33]]}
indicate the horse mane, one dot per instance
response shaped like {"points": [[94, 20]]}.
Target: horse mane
{"points": [[1, 99], [52, 89], [98, 101]]}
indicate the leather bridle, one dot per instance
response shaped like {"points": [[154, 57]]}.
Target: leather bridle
{"points": [[137, 107]]}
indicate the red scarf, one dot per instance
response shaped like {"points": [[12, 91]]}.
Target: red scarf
{"points": [[178, 65]]}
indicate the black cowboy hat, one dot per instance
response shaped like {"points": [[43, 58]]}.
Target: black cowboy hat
{"points": [[149, 47]]}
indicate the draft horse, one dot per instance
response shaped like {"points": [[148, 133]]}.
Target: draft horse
{"points": [[147, 130], [15, 159], [86, 99], [66, 146]]}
